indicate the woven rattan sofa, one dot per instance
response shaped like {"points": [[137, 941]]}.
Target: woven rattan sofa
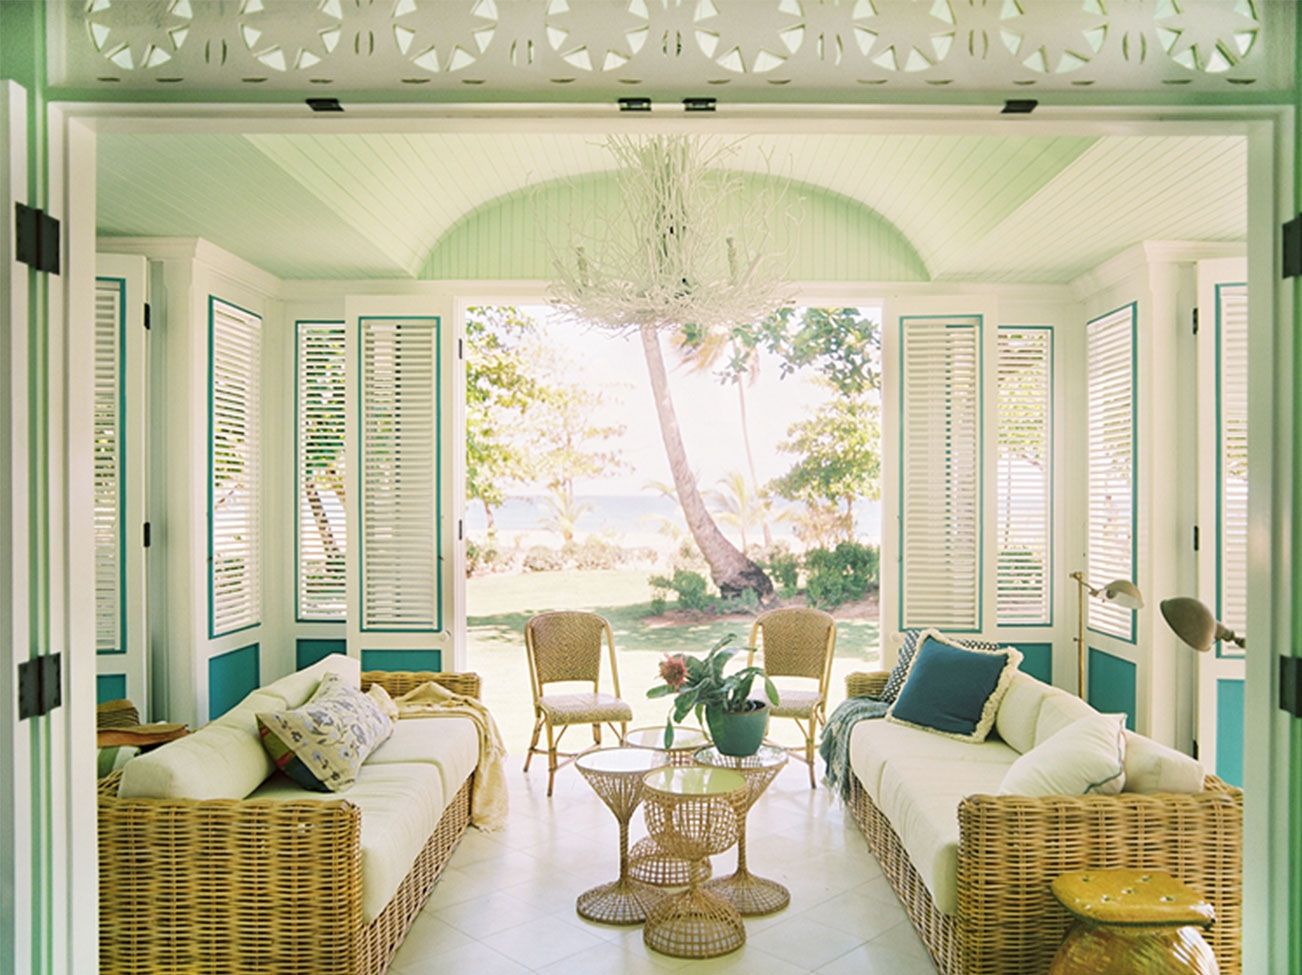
{"points": [[274, 882], [998, 916]]}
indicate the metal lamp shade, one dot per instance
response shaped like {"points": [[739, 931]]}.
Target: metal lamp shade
{"points": [[1124, 593], [1192, 622]]}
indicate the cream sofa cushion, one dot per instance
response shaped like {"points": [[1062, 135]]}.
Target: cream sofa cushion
{"points": [[222, 760], [875, 744], [920, 797], [1020, 710], [449, 744], [1057, 710], [1086, 758], [1153, 767], [297, 687], [400, 804]]}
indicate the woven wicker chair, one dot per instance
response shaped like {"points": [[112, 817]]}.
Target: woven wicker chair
{"points": [[798, 642], [566, 646]]}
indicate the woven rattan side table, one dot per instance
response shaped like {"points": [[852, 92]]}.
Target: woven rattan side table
{"points": [[751, 895], [615, 774], [693, 813], [649, 863], [1132, 922]]}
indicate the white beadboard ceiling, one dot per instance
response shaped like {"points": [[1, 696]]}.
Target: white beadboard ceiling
{"points": [[977, 208]]}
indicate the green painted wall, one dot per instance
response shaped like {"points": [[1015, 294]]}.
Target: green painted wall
{"points": [[1112, 685], [231, 677], [1295, 757], [110, 687], [431, 660], [1037, 659], [831, 238], [307, 652], [1229, 731]]}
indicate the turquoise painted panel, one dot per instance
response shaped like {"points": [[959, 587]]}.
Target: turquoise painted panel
{"points": [[1229, 730], [402, 660], [308, 652], [831, 237], [231, 676], [110, 687], [1037, 659], [1112, 685]]}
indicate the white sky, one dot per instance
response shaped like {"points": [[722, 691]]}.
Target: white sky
{"points": [[708, 414]]}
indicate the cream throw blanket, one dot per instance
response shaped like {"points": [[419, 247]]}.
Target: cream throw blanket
{"points": [[489, 803]]}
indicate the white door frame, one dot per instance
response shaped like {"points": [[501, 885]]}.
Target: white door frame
{"points": [[1269, 133]]}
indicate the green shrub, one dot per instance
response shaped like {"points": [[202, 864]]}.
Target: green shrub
{"points": [[841, 575], [540, 558], [595, 553], [784, 570], [690, 589], [657, 605]]}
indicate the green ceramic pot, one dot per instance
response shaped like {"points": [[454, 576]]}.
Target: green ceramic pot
{"points": [[737, 733]]}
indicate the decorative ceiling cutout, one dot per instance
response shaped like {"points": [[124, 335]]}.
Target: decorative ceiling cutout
{"points": [[551, 50]]}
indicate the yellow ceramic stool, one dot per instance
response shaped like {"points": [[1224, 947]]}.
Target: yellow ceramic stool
{"points": [[1132, 922]]}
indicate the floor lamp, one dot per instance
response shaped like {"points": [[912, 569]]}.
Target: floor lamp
{"points": [[1195, 624], [1123, 592]]}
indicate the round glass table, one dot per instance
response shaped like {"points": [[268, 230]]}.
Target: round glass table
{"points": [[693, 813], [751, 895], [650, 864], [615, 774]]}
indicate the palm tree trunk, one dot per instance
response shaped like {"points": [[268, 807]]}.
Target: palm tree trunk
{"points": [[730, 569], [750, 462], [322, 521]]}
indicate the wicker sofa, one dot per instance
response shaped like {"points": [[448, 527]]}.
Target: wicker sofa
{"points": [[983, 906], [282, 880]]}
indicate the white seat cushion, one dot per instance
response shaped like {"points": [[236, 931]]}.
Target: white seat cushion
{"points": [[920, 797], [795, 703], [1152, 767], [297, 687], [1020, 710], [222, 760], [400, 804], [450, 744], [584, 708], [874, 744]]}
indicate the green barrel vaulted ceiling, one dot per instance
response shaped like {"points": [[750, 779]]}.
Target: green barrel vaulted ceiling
{"points": [[407, 205]]}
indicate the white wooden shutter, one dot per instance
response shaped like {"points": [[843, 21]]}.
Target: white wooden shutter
{"points": [[1232, 458], [235, 459], [107, 464], [322, 524], [941, 472], [399, 475], [1024, 477], [1110, 540]]}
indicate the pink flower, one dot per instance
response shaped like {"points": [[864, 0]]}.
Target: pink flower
{"points": [[673, 671]]}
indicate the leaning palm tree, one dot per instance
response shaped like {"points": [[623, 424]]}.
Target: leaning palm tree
{"points": [[681, 249]]}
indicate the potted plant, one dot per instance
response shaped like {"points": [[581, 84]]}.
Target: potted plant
{"points": [[736, 721]]}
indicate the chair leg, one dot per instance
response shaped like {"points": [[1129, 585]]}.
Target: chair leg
{"points": [[551, 760], [596, 733], [533, 744], [809, 750]]}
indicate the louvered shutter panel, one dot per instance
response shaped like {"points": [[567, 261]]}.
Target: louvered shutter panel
{"points": [[1232, 453], [1022, 498], [107, 464], [941, 472], [235, 468], [322, 526], [399, 476], [1110, 537]]}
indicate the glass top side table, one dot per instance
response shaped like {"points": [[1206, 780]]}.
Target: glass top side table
{"points": [[751, 895], [615, 774], [650, 864]]}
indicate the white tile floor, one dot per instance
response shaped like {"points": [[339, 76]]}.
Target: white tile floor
{"points": [[505, 902]]}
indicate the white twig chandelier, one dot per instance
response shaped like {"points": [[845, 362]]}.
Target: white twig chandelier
{"points": [[687, 245]]}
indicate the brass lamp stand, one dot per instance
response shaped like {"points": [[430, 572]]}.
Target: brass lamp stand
{"points": [[1123, 592]]}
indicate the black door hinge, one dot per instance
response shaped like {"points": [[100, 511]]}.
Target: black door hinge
{"points": [[36, 238], [460, 529], [146, 534], [461, 349], [1195, 320], [1290, 685], [40, 686], [147, 315], [1195, 538], [1292, 256]]}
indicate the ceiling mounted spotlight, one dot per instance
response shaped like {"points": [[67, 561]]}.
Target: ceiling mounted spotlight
{"points": [[699, 104], [634, 104]]}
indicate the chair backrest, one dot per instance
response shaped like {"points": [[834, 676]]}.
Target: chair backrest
{"points": [[566, 645], [796, 642]]}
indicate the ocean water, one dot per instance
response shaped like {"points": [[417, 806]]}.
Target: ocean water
{"points": [[639, 514]]}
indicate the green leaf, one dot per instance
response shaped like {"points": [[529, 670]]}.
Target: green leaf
{"points": [[771, 690], [660, 690], [669, 734]]}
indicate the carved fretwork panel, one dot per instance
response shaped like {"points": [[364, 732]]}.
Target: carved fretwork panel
{"points": [[742, 49]]}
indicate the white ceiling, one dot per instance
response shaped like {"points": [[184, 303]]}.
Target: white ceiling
{"points": [[977, 208]]}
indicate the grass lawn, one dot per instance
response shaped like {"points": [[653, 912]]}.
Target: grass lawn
{"points": [[499, 605]]}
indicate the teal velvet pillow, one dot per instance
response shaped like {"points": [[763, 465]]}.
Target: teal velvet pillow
{"points": [[953, 690]]}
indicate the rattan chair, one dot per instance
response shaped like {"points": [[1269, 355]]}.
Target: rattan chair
{"points": [[566, 646], [798, 642]]}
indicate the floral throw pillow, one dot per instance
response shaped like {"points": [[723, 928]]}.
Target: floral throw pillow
{"points": [[910, 647], [322, 744]]}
